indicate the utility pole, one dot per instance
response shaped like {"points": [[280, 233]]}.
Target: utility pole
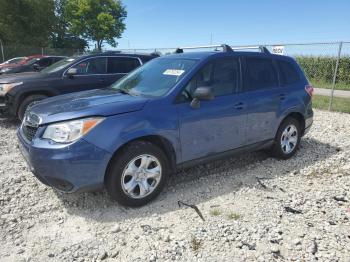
{"points": [[2, 51], [335, 76]]}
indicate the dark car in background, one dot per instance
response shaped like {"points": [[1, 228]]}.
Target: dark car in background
{"points": [[31, 65], [94, 71], [17, 63]]}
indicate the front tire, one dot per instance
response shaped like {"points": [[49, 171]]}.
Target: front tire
{"points": [[287, 139], [137, 174], [28, 101]]}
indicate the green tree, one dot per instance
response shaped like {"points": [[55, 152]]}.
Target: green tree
{"points": [[96, 20], [60, 36], [26, 22]]}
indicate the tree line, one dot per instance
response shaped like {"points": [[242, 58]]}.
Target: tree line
{"points": [[61, 23]]}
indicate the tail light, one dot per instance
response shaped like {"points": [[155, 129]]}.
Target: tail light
{"points": [[309, 89]]}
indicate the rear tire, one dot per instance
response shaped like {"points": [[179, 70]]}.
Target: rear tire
{"points": [[287, 139], [137, 174], [28, 101]]}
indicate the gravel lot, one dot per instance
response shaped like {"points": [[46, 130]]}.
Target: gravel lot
{"points": [[296, 210]]}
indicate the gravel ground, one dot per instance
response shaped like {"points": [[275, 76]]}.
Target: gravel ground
{"points": [[296, 210]]}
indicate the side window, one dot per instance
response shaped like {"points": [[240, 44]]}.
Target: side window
{"points": [[92, 66], [288, 72], [44, 62], [259, 74], [122, 64], [222, 75]]}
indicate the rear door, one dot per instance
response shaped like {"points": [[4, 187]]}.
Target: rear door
{"points": [[91, 72], [117, 67], [263, 97], [217, 125]]}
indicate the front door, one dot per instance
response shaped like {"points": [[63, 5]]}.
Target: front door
{"points": [[90, 75], [217, 125]]}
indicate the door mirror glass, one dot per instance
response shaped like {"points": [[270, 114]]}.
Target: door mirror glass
{"points": [[72, 71], [36, 67], [201, 93]]}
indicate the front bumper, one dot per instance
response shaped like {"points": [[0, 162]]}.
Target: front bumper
{"points": [[80, 166]]}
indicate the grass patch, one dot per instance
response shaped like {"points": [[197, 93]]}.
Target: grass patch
{"points": [[233, 216], [196, 244], [215, 212], [340, 104]]}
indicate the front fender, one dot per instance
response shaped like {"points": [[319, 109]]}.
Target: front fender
{"points": [[116, 131]]}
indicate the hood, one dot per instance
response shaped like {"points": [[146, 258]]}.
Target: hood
{"points": [[12, 78], [100, 102]]}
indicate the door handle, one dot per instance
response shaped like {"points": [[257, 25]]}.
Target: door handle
{"points": [[282, 96], [239, 106]]}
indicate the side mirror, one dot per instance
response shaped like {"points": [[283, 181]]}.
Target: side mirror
{"points": [[71, 72], [201, 93], [36, 67]]}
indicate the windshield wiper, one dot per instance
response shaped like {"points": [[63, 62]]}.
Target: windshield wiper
{"points": [[127, 92]]}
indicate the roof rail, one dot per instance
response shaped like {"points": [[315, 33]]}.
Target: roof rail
{"points": [[226, 48], [262, 49], [179, 51]]}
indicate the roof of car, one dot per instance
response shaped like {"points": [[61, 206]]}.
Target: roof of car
{"points": [[193, 55], [116, 53], [206, 54]]}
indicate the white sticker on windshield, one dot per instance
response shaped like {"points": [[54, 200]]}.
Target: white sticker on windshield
{"points": [[173, 72]]}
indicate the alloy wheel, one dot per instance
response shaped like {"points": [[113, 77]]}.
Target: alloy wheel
{"points": [[141, 176], [289, 139]]}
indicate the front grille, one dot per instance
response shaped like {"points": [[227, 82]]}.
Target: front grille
{"points": [[29, 132]]}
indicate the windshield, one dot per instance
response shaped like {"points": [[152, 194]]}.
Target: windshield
{"points": [[155, 78], [32, 61], [59, 65]]}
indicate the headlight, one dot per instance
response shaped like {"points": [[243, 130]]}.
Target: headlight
{"points": [[4, 88], [70, 131]]}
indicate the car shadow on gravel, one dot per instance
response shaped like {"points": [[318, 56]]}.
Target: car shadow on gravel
{"points": [[201, 183], [9, 122]]}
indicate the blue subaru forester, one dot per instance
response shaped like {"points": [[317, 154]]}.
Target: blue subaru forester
{"points": [[175, 111]]}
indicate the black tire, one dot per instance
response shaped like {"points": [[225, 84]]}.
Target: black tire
{"points": [[27, 102], [115, 171], [277, 149]]}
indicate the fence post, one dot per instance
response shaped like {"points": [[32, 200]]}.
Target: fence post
{"points": [[335, 76], [42, 51], [2, 51]]}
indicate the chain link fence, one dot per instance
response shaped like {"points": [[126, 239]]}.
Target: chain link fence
{"points": [[11, 51], [326, 65]]}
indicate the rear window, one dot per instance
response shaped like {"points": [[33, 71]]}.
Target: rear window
{"points": [[260, 74], [122, 64], [288, 73]]}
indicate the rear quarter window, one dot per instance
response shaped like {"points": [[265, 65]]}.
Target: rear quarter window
{"points": [[260, 73], [288, 72]]}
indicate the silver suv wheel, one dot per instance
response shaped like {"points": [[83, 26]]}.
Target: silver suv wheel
{"points": [[289, 139], [141, 176]]}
